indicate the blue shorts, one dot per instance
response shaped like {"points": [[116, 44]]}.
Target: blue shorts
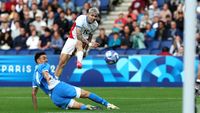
{"points": [[62, 95]]}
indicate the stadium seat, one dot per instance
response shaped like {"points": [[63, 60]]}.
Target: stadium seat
{"points": [[121, 51], [104, 5], [11, 52], [144, 51], [155, 51], [80, 3], [32, 52], [49, 51], [131, 52], [93, 52], [103, 51], [2, 52], [154, 44], [166, 43], [23, 52]]}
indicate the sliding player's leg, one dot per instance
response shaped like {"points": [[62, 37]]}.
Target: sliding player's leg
{"points": [[97, 99]]}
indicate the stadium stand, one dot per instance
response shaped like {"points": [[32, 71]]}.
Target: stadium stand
{"points": [[93, 52], [131, 51], [155, 51], [148, 12]]}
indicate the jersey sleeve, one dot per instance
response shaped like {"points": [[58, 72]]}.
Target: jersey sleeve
{"points": [[43, 67], [80, 21], [34, 84]]}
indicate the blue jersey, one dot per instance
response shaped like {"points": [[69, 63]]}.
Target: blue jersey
{"points": [[61, 93], [39, 80]]}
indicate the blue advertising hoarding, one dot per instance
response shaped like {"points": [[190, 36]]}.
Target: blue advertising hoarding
{"points": [[128, 71]]}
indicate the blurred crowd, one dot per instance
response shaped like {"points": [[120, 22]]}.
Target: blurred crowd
{"points": [[38, 24], [148, 21], [44, 24]]}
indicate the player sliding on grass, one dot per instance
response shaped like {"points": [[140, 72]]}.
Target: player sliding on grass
{"points": [[79, 39], [61, 93]]}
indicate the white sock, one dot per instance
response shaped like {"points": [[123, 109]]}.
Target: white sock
{"points": [[198, 80], [79, 55]]}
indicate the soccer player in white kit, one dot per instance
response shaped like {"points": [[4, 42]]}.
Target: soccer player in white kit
{"points": [[80, 35]]}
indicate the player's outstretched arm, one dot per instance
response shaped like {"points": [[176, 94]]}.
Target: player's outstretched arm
{"points": [[34, 98]]}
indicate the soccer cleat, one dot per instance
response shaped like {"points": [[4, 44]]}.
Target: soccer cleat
{"points": [[90, 107], [197, 88], [111, 106], [79, 65]]}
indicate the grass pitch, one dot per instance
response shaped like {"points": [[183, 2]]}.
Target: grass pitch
{"points": [[129, 99]]}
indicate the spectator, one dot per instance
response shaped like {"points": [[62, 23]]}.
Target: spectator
{"points": [[16, 17], [114, 41], [63, 24], [177, 42], [119, 23], [154, 10], [161, 31], [132, 14], [173, 31], [129, 23], [57, 42], [20, 41], [144, 21], [3, 9], [27, 20], [137, 39], [12, 12], [68, 15], [33, 41], [55, 5], [180, 21], [102, 39], [44, 4], [68, 4], [38, 23], [125, 38], [35, 10], [50, 19], [95, 3], [45, 40], [165, 52], [19, 6], [85, 9], [15, 31], [138, 4], [9, 4], [180, 51], [5, 39], [149, 34], [164, 12]]}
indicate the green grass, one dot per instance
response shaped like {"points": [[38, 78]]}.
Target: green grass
{"points": [[130, 100]]}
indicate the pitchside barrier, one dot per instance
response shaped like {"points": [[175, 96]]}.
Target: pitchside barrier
{"points": [[136, 70]]}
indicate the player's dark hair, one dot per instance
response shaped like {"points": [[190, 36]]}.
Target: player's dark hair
{"points": [[38, 54]]}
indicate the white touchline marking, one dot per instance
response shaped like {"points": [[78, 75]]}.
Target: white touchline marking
{"points": [[133, 98]]}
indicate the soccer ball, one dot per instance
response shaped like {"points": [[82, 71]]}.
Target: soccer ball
{"points": [[111, 57]]}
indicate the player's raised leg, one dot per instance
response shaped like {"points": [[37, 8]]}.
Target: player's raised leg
{"points": [[62, 62], [66, 53], [79, 54], [97, 99]]}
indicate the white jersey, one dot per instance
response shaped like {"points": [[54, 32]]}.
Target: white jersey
{"points": [[86, 28]]}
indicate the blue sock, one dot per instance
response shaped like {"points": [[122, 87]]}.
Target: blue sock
{"points": [[97, 99], [83, 107]]}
